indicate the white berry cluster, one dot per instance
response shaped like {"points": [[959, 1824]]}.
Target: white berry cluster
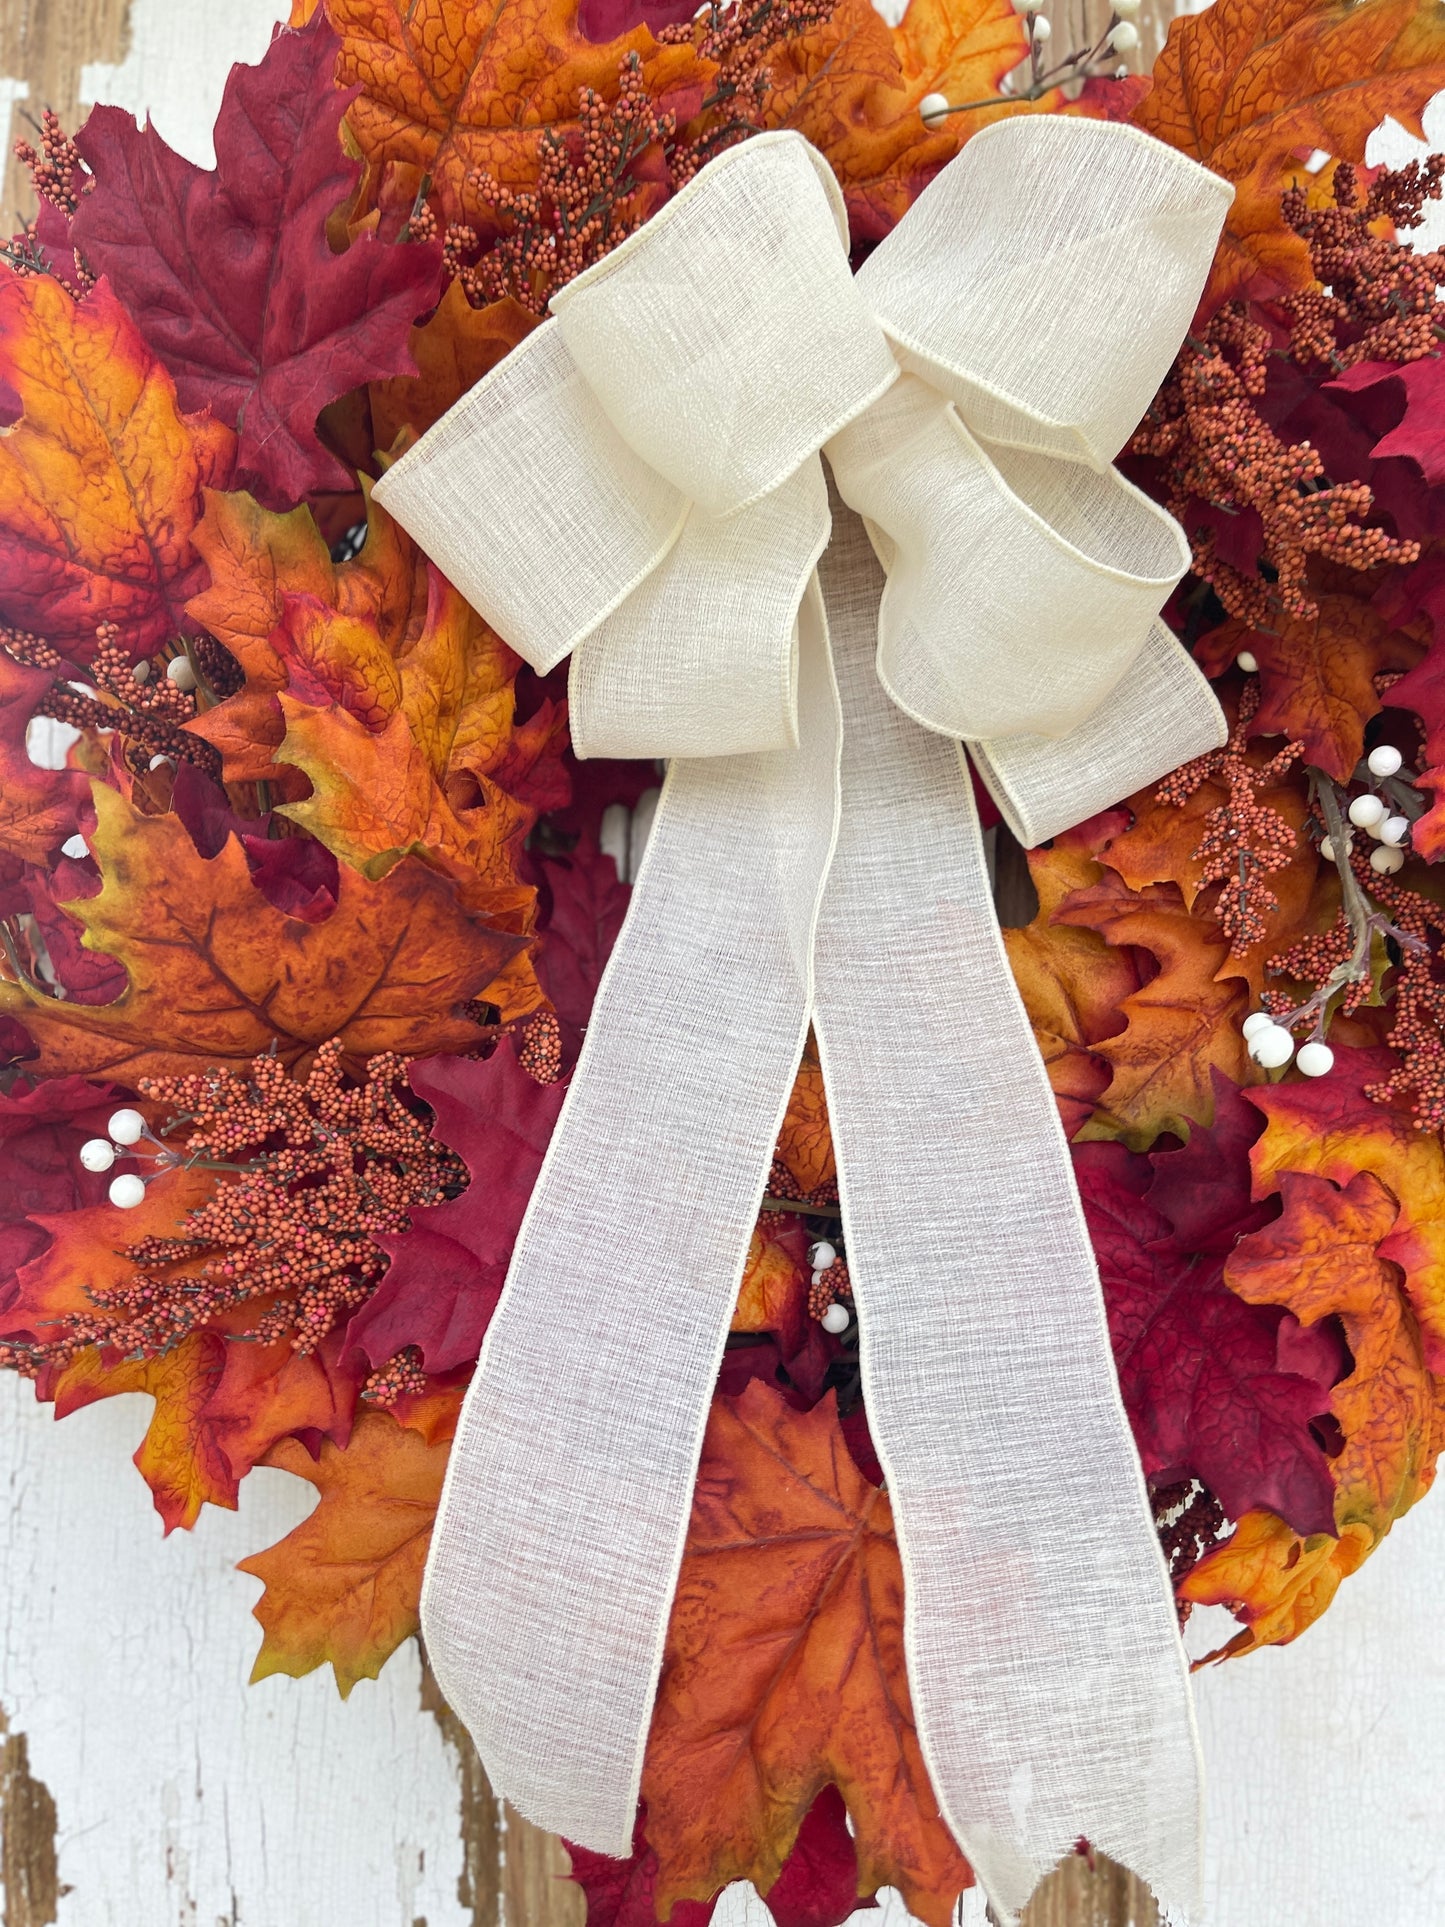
{"points": [[837, 1317], [1270, 1042], [127, 1128], [1121, 36]]}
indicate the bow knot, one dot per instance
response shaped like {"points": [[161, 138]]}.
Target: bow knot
{"points": [[660, 436]]}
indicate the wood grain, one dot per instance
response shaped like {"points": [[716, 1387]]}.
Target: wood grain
{"points": [[45, 43]]}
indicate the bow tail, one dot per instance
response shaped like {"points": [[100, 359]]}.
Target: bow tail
{"points": [[1048, 1678], [561, 1529]]}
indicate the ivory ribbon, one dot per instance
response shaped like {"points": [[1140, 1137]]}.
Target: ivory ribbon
{"points": [[639, 483]]}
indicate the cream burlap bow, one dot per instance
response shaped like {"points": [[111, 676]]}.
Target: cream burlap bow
{"points": [[640, 484]]}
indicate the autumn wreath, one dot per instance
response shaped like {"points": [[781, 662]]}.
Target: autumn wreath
{"points": [[300, 940]]}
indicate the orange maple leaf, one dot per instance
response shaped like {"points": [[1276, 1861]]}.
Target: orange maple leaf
{"points": [[1180, 1026], [854, 85], [785, 1671], [805, 1143], [101, 477], [1072, 983], [1252, 87], [445, 90], [1323, 1258], [217, 974], [345, 1586], [773, 1295]]}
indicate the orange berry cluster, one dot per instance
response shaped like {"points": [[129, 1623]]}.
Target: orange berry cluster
{"points": [[402, 1376], [1244, 839], [1418, 1030], [23, 645], [740, 40], [828, 1287], [137, 700], [1375, 299], [309, 1171], [1216, 448], [58, 176], [586, 199], [539, 1050]]}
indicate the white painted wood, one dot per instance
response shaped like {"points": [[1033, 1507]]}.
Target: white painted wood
{"points": [[176, 66], [184, 1796]]}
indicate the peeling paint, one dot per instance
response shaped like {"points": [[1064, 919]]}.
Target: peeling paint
{"points": [[479, 1885], [29, 1871]]}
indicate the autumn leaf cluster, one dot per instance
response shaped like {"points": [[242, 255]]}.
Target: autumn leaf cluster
{"points": [[317, 889]]}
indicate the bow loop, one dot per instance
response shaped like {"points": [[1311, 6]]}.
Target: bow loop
{"points": [[1032, 641], [727, 339], [979, 288]]}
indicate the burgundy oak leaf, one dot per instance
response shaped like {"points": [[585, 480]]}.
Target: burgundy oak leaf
{"points": [[229, 275], [1213, 1387], [447, 1270]]}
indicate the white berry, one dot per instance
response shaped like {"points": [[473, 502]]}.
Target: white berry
{"points": [[1042, 29], [822, 1254], [1125, 37], [1255, 1022], [1272, 1047], [1024, 6], [127, 1191], [1246, 659], [180, 672], [75, 846], [1315, 1059], [835, 1318], [1127, 9], [1384, 761], [1394, 829], [140, 672], [97, 1154], [1387, 859], [933, 108], [1366, 811], [1327, 848], [126, 1127]]}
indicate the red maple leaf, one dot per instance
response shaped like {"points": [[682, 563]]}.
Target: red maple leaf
{"points": [[42, 1127], [818, 1886], [447, 1270], [1216, 1389], [229, 275]]}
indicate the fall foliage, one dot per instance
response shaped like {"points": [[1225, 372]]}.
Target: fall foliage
{"points": [[321, 892]]}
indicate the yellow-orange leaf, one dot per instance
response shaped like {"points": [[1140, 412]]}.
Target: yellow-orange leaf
{"points": [[181, 1458], [1073, 985], [1181, 1026], [101, 477], [345, 1586], [805, 1143], [1252, 87], [785, 1671], [217, 974]]}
